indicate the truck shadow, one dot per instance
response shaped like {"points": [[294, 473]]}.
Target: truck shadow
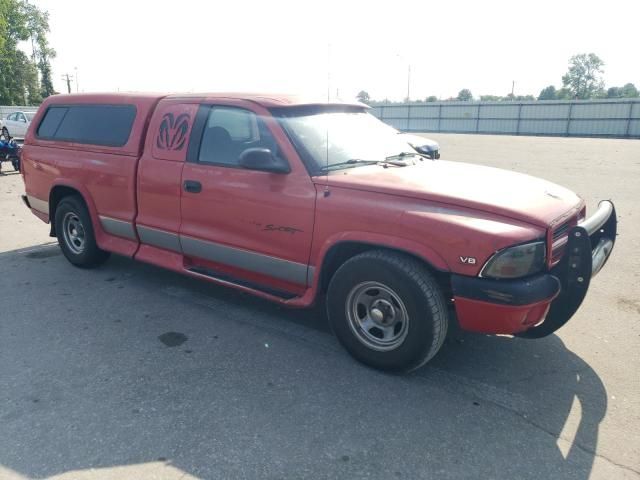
{"points": [[87, 385], [550, 388]]}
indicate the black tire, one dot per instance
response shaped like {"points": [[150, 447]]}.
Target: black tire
{"points": [[85, 254], [418, 293]]}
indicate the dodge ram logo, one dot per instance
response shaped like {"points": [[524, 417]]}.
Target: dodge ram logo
{"points": [[172, 134]]}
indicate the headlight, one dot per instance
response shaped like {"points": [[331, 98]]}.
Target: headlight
{"points": [[515, 262]]}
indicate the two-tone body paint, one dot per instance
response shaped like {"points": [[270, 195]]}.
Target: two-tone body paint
{"points": [[275, 230], [260, 212]]}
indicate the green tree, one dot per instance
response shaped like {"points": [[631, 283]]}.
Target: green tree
{"points": [[564, 94], [37, 24], [363, 97], [629, 90], [431, 98], [4, 27], [465, 95], [584, 77], [614, 92], [491, 98], [19, 83], [548, 93], [11, 58]]}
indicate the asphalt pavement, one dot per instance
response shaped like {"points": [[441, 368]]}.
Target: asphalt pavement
{"points": [[130, 371]]}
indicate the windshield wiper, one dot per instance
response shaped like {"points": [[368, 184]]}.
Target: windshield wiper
{"points": [[360, 162], [403, 155], [348, 163]]}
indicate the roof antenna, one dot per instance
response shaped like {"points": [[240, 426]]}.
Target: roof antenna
{"points": [[326, 185]]}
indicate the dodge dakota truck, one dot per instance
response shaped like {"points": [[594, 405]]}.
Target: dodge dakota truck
{"points": [[293, 200]]}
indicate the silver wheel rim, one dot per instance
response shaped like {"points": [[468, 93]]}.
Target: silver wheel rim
{"points": [[377, 316], [73, 232]]}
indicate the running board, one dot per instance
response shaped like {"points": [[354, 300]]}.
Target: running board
{"points": [[223, 277]]}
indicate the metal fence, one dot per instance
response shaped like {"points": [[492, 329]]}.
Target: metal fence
{"points": [[6, 110], [579, 118]]}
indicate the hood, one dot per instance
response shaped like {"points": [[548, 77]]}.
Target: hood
{"points": [[488, 189]]}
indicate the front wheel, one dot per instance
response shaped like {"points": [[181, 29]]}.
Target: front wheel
{"points": [[387, 310], [75, 234]]}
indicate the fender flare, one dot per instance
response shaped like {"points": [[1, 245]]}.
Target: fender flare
{"points": [[419, 250], [88, 200]]}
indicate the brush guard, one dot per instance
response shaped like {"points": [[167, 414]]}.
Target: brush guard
{"points": [[589, 246]]}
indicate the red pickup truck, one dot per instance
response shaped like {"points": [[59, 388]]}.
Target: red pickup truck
{"points": [[292, 200]]}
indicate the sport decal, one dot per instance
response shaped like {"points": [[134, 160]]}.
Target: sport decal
{"points": [[172, 134], [281, 228]]}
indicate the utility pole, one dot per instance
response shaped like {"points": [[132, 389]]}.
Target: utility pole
{"points": [[77, 83], [68, 78], [513, 86], [328, 73], [408, 76]]}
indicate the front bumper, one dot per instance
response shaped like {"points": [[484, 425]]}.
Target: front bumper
{"points": [[539, 305]]}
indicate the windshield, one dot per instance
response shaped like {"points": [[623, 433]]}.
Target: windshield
{"points": [[349, 139]]}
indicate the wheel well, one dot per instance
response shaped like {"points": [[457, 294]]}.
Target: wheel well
{"points": [[340, 253], [55, 196]]}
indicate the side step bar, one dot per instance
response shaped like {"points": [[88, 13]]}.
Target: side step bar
{"points": [[223, 277]]}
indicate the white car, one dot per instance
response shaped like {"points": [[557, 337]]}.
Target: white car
{"points": [[15, 124]]}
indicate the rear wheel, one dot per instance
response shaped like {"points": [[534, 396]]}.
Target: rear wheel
{"points": [[387, 310], [75, 234]]}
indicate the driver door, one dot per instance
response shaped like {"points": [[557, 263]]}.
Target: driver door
{"points": [[253, 226]]}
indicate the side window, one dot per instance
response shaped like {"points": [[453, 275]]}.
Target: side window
{"points": [[12, 117], [229, 131], [21, 118], [51, 121], [108, 125], [239, 123]]}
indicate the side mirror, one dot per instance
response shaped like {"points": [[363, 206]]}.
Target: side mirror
{"points": [[263, 160]]}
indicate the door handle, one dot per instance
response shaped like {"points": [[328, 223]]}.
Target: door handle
{"points": [[192, 186]]}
